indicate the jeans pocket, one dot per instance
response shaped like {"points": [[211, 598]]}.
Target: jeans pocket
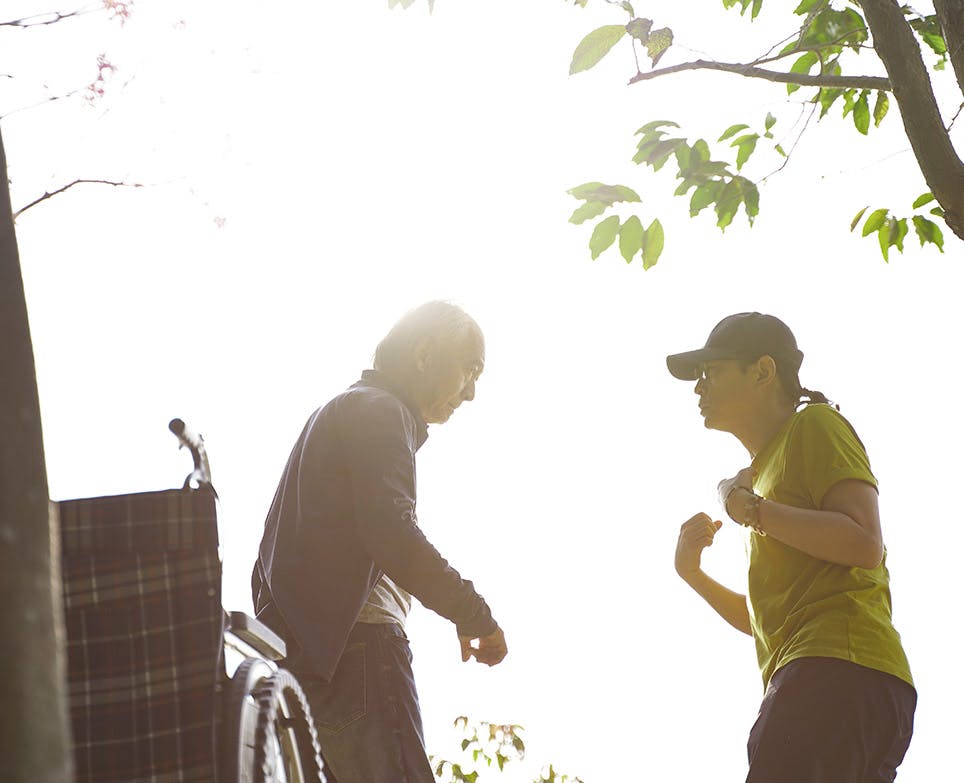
{"points": [[341, 702]]}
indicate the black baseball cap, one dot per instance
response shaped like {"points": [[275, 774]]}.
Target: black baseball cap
{"points": [[741, 336]]}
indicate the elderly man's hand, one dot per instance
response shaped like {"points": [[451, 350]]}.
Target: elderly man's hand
{"points": [[491, 649]]}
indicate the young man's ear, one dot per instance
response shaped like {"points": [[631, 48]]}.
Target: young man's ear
{"points": [[766, 370]]}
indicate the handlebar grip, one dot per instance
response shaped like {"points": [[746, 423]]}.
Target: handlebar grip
{"points": [[185, 434]]}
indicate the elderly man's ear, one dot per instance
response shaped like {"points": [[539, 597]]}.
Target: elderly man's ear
{"points": [[425, 350]]}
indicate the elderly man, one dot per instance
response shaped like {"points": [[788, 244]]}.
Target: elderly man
{"points": [[342, 552]]}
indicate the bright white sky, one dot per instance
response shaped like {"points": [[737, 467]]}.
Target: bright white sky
{"points": [[362, 161]]}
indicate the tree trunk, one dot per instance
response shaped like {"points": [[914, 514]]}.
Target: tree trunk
{"points": [[34, 734], [897, 47], [950, 13]]}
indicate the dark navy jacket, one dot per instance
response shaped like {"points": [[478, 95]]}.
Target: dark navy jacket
{"points": [[344, 513]]}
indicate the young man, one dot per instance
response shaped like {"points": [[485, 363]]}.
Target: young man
{"points": [[342, 552], [839, 699]]}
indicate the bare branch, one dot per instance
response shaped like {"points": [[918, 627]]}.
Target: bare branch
{"points": [[768, 58], [786, 159], [954, 118], [40, 20], [803, 79], [51, 99], [58, 191]]}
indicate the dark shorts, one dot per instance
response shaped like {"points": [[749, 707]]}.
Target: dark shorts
{"points": [[368, 719], [825, 720]]}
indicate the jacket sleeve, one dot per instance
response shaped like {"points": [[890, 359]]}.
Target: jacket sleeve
{"points": [[378, 438]]}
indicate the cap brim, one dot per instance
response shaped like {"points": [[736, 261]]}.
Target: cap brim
{"points": [[685, 366]]}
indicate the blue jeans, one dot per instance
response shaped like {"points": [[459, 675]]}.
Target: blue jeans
{"points": [[368, 719]]}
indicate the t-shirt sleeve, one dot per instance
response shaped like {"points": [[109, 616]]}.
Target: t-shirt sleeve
{"points": [[830, 452]]}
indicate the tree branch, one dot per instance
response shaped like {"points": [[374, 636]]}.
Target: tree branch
{"points": [[803, 79], [53, 17], [58, 191], [939, 162]]}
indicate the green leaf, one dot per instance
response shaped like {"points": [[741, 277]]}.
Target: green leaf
{"points": [[779, 149], [803, 64], [639, 29], [631, 238], [732, 131], [929, 29], [701, 150], [898, 230], [883, 238], [856, 220], [935, 42], [603, 235], [607, 194], [875, 221], [880, 107], [751, 200], [704, 195], [850, 100], [923, 198], [738, 190], [658, 43], [770, 121], [595, 46], [683, 154], [649, 127], [862, 113], [628, 8], [661, 152], [939, 211], [714, 168], [583, 213], [727, 204], [928, 231], [807, 6], [745, 147], [653, 244], [646, 145], [585, 191], [826, 98]]}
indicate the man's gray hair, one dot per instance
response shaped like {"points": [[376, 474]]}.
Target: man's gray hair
{"points": [[443, 321]]}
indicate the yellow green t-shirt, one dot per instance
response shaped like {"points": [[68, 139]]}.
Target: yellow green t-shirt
{"points": [[801, 606]]}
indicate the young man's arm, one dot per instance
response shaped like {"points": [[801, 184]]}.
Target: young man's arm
{"points": [[846, 529], [695, 535]]}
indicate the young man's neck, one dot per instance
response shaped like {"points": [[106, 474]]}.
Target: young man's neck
{"points": [[758, 433]]}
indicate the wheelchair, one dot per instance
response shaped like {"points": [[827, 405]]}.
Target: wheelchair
{"points": [[164, 685]]}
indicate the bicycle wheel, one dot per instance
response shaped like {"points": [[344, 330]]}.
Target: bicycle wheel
{"points": [[269, 736]]}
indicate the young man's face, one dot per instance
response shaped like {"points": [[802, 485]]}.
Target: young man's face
{"points": [[447, 376], [725, 390]]}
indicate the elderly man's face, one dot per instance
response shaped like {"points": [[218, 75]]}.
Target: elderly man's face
{"points": [[447, 376]]}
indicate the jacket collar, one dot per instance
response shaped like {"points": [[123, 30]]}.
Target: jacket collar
{"points": [[381, 381]]}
